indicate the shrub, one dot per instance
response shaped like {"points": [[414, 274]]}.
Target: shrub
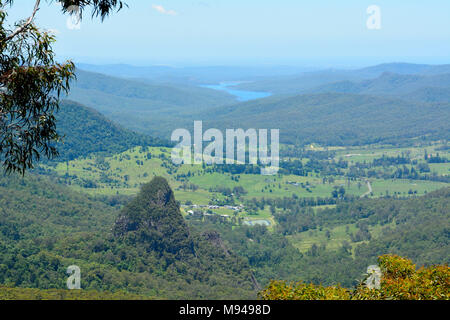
{"points": [[400, 281]]}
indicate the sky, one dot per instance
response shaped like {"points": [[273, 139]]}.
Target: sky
{"points": [[319, 33]]}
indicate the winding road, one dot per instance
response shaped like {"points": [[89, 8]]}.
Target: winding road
{"points": [[369, 186]]}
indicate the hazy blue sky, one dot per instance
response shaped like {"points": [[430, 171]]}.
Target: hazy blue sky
{"points": [[312, 33]]}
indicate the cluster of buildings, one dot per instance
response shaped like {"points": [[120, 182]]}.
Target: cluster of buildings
{"points": [[212, 207], [194, 210]]}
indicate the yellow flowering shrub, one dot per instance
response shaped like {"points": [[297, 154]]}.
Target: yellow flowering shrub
{"points": [[400, 281]]}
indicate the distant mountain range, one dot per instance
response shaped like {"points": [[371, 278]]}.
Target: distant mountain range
{"points": [[309, 81], [151, 108], [394, 84], [381, 103], [112, 94], [337, 118], [405, 68], [192, 75]]}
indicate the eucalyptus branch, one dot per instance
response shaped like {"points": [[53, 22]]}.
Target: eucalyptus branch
{"points": [[23, 27]]}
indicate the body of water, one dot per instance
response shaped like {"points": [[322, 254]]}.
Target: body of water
{"points": [[261, 222], [241, 95]]}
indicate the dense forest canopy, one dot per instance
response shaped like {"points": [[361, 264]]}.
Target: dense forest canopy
{"points": [[149, 241], [85, 131], [363, 179]]}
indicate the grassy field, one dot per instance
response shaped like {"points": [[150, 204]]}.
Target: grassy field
{"points": [[304, 240], [403, 187], [124, 173], [368, 153], [440, 168]]}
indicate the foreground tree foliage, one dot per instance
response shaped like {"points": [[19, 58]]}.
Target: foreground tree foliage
{"points": [[416, 228], [31, 82], [61, 294], [400, 281], [45, 227]]}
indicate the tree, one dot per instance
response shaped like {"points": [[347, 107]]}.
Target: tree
{"points": [[400, 281], [31, 83], [341, 192], [338, 192]]}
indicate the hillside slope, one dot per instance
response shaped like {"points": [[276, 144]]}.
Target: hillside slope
{"points": [[407, 105], [388, 84], [137, 94], [337, 118], [86, 131], [192, 75], [428, 94], [145, 107], [44, 228], [305, 82], [416, 228]]}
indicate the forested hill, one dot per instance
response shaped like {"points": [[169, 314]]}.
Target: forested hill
{"points": [[337, 118], [45, 227], [132, 94], [416, 228], [153, 219], [388, 84], [421, 232], [387, 108], [86, 131], [155, 109], [35, 206], [404, 68], [307, 81], [429, 94]]}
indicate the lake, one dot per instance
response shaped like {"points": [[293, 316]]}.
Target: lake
{"points": [[261, 222], [241, 95]]}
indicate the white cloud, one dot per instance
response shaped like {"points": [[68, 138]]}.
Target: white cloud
{"points": [[163, 10]]}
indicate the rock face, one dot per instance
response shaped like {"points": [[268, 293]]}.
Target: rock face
{"points": [[153, 219], [214, 238]]}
